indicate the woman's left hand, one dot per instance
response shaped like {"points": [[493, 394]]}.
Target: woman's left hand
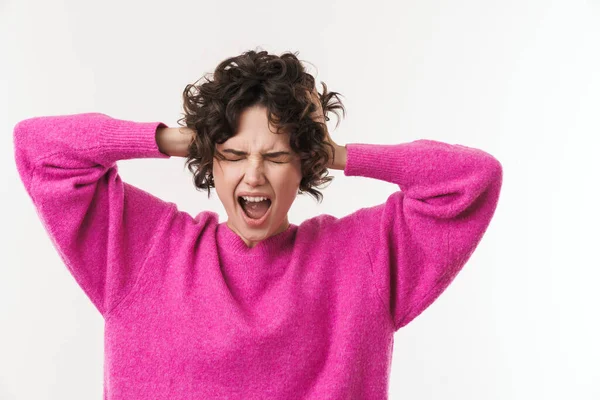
{"points": [[340, 151]]}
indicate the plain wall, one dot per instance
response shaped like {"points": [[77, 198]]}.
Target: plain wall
{"points": [[518, 79]]}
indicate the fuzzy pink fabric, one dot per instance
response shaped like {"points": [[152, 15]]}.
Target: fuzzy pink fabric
{"points": [[192, 313]]}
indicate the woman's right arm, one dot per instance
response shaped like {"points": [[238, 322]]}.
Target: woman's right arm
{"points": [[103, 228]]}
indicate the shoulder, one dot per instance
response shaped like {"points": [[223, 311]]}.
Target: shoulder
{"points": [[182, 221], [327, 226]]}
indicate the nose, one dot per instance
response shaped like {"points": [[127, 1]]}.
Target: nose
{"points": [[253, 173]]}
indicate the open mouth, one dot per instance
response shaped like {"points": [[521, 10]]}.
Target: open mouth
{"points": [[255, 210]]}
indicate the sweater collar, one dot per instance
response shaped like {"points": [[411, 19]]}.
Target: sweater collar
{"points": [[275, 244]]}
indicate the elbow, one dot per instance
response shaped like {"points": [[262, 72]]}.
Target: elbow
{"points": [[482, 194]]}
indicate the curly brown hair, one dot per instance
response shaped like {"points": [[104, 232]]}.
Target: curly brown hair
{"points": [[279, 83]]}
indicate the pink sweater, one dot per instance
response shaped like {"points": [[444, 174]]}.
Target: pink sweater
{"points": [[192, 313]]}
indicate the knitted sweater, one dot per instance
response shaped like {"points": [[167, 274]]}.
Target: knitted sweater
{"points": [[191, 312]]}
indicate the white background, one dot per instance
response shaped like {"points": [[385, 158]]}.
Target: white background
{"points": [[518, 79]]}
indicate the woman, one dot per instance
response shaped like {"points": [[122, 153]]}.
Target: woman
{"points": [[254, 307]]}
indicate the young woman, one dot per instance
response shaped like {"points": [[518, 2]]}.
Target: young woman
{"points": [[255, 307]]}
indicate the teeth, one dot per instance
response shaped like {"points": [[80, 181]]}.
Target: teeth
{"points": [[254, 199]]}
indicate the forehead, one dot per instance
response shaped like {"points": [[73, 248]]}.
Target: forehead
{"points": [[254, 131]]}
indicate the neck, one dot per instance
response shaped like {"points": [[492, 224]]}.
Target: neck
{"points": [[250, 243]]}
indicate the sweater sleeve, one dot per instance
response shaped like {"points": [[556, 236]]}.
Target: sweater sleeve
{"points": [[102, 227], [419, 239]]}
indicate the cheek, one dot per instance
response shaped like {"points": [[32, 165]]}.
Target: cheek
{"points": [[223, 186], [287, 186]]}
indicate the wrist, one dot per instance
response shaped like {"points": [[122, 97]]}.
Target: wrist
{"points": [[174, 141], [341, 154]]}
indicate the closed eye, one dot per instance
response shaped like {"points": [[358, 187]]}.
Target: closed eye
{"points": [[276, 162]]}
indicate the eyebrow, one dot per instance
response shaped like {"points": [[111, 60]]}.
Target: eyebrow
{"points": [[243, 153]]}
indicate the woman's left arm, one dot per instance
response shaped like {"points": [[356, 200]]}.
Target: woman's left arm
{"points": [[422, 235]]}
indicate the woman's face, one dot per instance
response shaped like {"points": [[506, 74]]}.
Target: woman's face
{"points": [[248, 167]]}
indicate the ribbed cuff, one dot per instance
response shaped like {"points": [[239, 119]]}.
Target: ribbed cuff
{"points": [[377, 161], [123, 139]]}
